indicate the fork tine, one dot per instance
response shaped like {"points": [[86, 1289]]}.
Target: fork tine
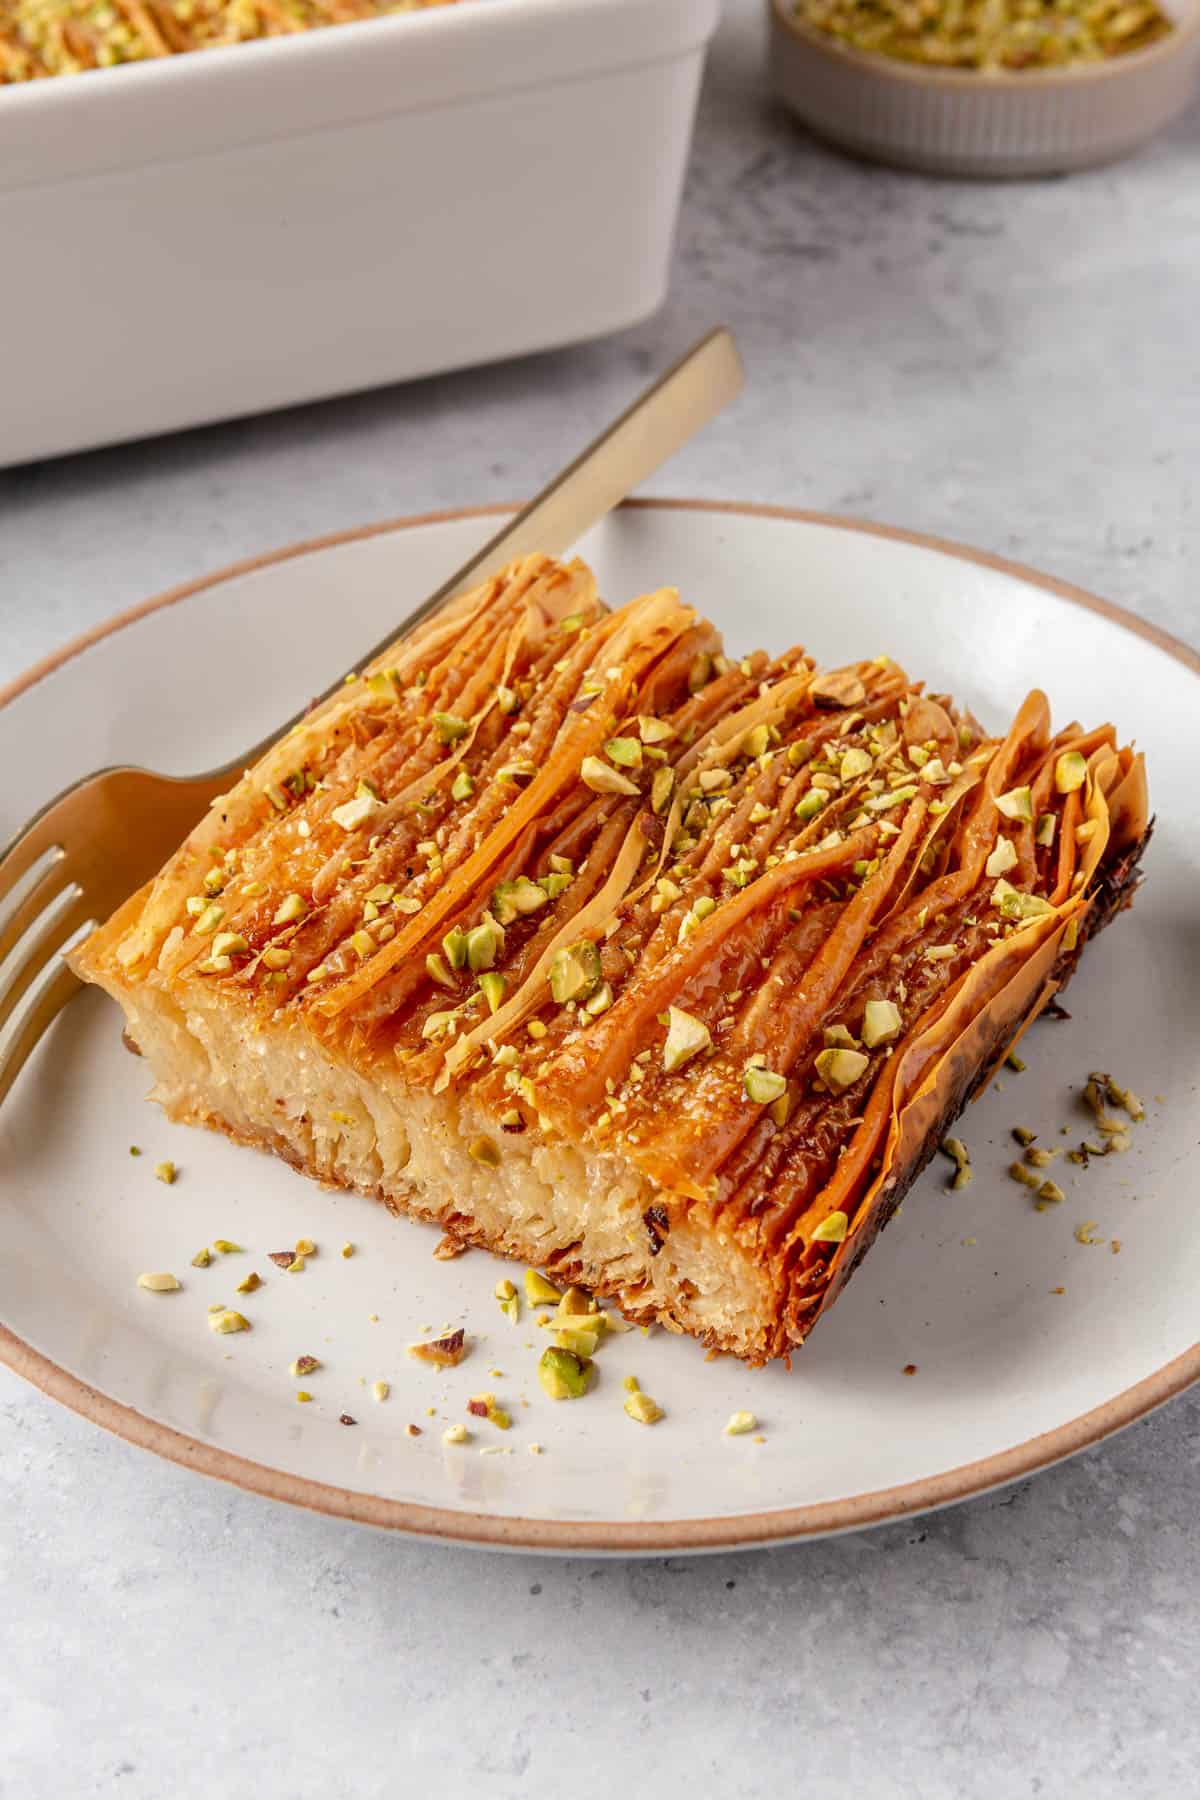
{"points": [[62, 925], [40, 896], [18, 857], [45, 1008]]}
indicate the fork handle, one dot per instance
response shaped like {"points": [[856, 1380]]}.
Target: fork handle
{"points": [[662, 419]]}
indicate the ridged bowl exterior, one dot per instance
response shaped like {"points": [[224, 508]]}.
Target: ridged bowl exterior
{"points": [[955, 122]]}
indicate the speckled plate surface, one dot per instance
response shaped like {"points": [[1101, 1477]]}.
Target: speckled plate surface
{"points": [[1027, 1343]]}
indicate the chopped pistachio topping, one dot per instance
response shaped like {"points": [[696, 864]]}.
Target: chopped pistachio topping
{"points": [[454, 944], [642, 1408], [810, 804], [1084, 1232], [483, 1150], [626, 752], [208, 920], [1070, 772], [353, 814], [1023, 1134], [740, 1423], [881, 1023], [449, 727], [959, 1155], [580, 1335], [227, 1247], [1015, 905], [250, 1283], [380, 1390], [291, 908], [855, 762], [832, 1229], [563, 1374], [1003, 858], [686, 1037], [444, 1352], [159, 1284], [435, 968], [577, 1303], [347, 1249], [483, 945], [600, 1001], [840, 1068], [575, 972], [700, 671], [1025, 1176], [227, 1321], [661, 788], [1123, 1097], [539, 1291], [165, 1171], [763, 1086], [303, 1397], [654, 731], [1016, 804], [462, 787], [492, 986], [602, 778], [880, 803], [202, 1258], [514, 899]]}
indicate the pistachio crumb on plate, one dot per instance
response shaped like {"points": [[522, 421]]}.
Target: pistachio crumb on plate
{"points": [[226, 1320]]}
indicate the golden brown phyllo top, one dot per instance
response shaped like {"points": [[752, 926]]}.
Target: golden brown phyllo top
{"points": [[732, 915], [40, 38]]}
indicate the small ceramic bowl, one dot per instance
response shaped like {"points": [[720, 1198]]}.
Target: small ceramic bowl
{"points": [[958, 122]]}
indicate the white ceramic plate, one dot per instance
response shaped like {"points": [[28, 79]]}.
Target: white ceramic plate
{"points": [[1011, 1374]]}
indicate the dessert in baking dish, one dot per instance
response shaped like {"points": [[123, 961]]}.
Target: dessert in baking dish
{"points": [[661, 971], [63, 37]]}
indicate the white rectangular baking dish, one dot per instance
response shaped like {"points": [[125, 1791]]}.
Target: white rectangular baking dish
{"points": [[221, 232]]}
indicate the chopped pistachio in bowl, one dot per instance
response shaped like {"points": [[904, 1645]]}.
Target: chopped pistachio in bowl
{"points": [[990, 35], [985, 87]]}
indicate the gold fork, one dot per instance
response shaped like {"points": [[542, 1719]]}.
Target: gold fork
{"points": [[94, 845]]}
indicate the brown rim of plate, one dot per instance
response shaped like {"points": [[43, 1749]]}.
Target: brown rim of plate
{"points": [[1183, 30], [732, 1532]]}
